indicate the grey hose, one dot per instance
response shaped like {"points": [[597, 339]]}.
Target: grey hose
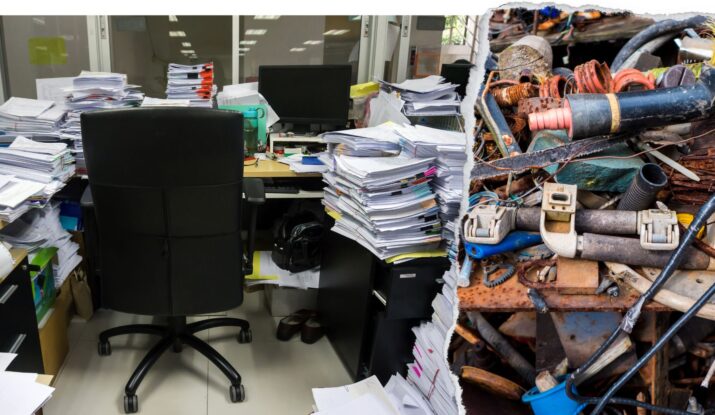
{"points": [[655, 30], [503, 348]]}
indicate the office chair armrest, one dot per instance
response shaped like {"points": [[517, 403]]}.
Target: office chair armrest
{"points": [[87, 201], [254, 190], [255, 195]]}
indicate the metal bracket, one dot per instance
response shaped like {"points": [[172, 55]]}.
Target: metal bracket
{"points": [[658, 229], [557, 224], [489, 224]]}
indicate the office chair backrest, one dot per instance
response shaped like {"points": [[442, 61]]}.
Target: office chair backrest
{"points": [[166, 184]]}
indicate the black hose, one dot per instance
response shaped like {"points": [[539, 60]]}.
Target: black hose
{"points": [[633, 313], [645, 405], [651, 32], [503, 348], [643, 189]]}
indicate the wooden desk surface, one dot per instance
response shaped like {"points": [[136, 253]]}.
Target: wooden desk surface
{"points": [[271, 168], [18, 255], [511, 297]]}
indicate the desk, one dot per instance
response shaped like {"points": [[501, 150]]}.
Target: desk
{"points": [[268, 169]]}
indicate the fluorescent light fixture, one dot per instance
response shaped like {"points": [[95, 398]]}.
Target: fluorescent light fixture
{"points": [[177, 33], [241, 54], [256, 32], [312, 42], [336, 32], [266, 17], [247, 42], [173, 19], [186, 44], [297, 49], [193, 56], [187, 51], [244, 49]]}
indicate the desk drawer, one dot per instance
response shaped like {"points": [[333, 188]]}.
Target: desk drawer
{"points": [[407, 290]]}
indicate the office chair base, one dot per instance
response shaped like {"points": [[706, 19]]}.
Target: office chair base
{"points": [[174, 335]]}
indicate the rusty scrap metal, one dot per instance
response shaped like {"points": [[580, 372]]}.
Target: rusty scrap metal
{"points": [[537, 104], [627, 78], [593, 77], [511, 95], [557, 86], [700, 162]]}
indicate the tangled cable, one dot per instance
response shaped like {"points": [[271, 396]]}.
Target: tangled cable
{"points": [[593, 77], [625, 78]]}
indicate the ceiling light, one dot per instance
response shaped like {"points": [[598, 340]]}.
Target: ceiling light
{"points": [[187, 51], [241, 54], [186, 44], [336, 32], [247, 42], [244, 49], [177, 33], [173, 19], [312, 42], [297, 49], [256, 32], [266, 17], [193, 56]]}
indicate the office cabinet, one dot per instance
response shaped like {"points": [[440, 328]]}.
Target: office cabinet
{"points": [[18, 324], [369, 307]]}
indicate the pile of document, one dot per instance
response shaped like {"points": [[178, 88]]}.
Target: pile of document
{"points": [[298, 163], [41, 228], [20, 393], [426, 96], [430, 372], [37, 119], [378, 141], [30, 174], [246, 94], [91, 91], [266, 271], [384, 203], [192, 82], [160, 102], [449, 149]]}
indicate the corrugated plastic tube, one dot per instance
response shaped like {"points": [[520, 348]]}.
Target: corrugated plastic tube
{"points": [[646, 184]]}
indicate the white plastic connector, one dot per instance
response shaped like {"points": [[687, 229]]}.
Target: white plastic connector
{"points": [[489, 224], [658, 229], [557, 224]]}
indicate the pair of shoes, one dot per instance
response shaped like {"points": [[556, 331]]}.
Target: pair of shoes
{"points": [[305, 321]]}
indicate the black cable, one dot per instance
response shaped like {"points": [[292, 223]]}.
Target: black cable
{"points": [[633, 313], [644, 405]]}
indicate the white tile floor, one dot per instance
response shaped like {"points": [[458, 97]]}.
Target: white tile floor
{"points": [[277, 375]]}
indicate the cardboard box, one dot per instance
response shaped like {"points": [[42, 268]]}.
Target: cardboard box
{"points": [[53, 341], [283, 301], [64, 303]]}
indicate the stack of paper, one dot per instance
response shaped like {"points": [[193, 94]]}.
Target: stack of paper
{"points": [[41, 228], [430, 373], [91, 91], [192, 82], [426, 96], [38, 119], [160, 102], [384, 203], [265, 271], [20, 393], [378, 141], [246, 94], [449, 149], [296, 164]]}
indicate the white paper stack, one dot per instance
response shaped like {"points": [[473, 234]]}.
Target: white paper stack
{"points": [[20, 394], [91, 91], [364, 397], [41, 228], [430, 373], [449, 149], [426, 96], [378, 141], [384, 203], [192, 82], [160, 102], [246, 94], [38, 119], [295, 162]]}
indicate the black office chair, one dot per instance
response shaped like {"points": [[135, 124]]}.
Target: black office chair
{"points": [[167, 187]]}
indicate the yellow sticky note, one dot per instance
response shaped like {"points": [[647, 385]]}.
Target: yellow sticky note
{"points": [[47, 50]]}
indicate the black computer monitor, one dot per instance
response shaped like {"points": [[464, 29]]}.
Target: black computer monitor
{"points": [[307, 94], [457, 73]]}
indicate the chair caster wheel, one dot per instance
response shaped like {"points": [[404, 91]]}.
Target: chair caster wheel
{"points": [[238, 394], [131, 404], [104, 348], [245, 336]]}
